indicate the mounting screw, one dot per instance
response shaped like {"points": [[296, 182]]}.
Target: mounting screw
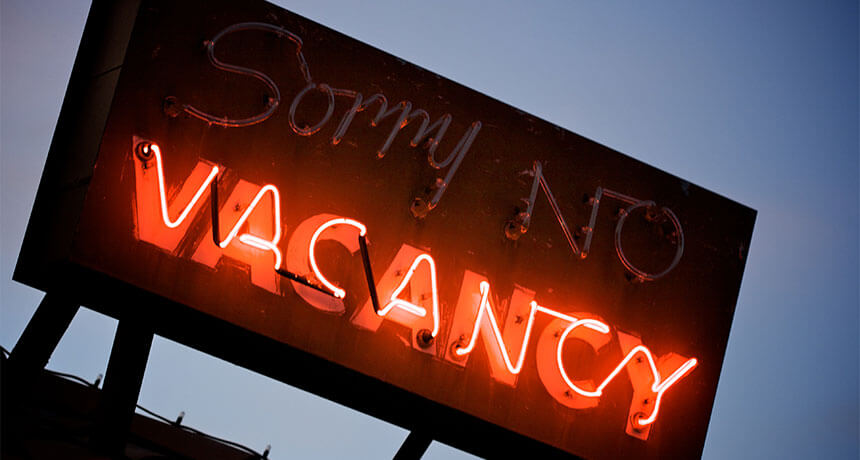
{"points": [[513, 230], [144, 153], [652, 214], [170, 106], [634, 278], [425, 338], [634, 421], [420, 208], [456, 346]]}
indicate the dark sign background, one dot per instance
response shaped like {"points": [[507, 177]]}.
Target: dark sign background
{"points": [[689, 311]]}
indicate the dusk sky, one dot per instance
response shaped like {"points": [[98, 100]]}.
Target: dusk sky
{"points": [[756, 101]]}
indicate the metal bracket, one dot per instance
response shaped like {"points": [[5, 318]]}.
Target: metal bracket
{"points": [[123, 379]]}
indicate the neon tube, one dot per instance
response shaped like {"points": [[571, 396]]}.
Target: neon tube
{"points": [[662, 387], [200, 191], [277, 208], [658, 386], [485, 306], [410, 307], [338, 292], [260, 243]]}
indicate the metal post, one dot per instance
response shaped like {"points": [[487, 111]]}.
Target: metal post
{"points": [[42, 334], [414, 446], [121, 389], [29, 356]]}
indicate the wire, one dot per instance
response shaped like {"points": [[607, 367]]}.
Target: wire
{"points": [[73, 377], [153, 414], [200, 433], [161, 418]]}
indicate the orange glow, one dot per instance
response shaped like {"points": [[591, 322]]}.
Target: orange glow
{"points": [[244, 217], [276, 205], [597, 326], [338, 292], [162, 194], [420, 294], [486, 309], [396, 302], [297, 260], [506, 361], [659, 386], [246, 238], [253, 240], [663, 386], [547, 364], [260, 243], [153, 222]]}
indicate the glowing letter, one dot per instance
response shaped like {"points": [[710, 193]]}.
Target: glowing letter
{"points": [[648, 385], [301, 256], [416, 270], [154, 222], [645, 375], [261, 254], [549, 358], [474, 313]]}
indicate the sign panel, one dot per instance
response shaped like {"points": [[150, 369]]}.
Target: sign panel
{"points": [[492, 272]]}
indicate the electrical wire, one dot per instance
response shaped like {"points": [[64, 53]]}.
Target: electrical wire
{"points": [[155, 415], [73, 378], [200, 433]]}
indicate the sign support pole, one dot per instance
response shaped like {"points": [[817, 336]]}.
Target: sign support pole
{"points": [[124, 376], [42, 334], [29, 356], [414, 446]]}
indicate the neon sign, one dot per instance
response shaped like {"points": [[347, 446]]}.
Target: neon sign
{"points": [[295, 194], [482, 319]]}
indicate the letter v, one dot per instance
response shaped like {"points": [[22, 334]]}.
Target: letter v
{"points": [[153, 219]]}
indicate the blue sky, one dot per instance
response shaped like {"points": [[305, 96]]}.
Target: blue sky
{"points": [[757, 101]]}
